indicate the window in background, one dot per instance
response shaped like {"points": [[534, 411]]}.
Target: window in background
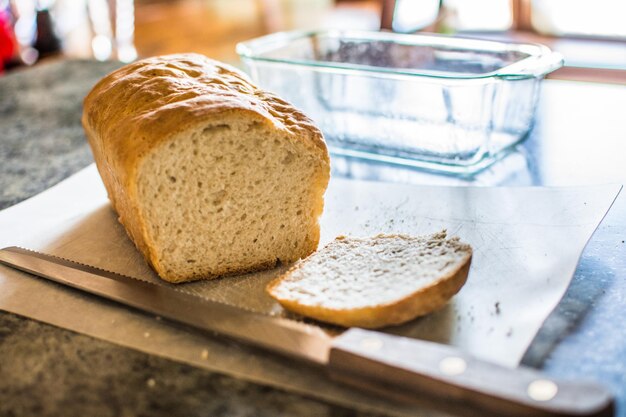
{"points": [[411, 15], [478, 15], [452, 15], [598, 18]]}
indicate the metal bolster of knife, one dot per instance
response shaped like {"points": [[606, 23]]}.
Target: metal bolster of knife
{"points": [[426, 373]]}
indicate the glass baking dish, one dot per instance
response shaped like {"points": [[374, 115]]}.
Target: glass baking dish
{"points": [[441, 103]]}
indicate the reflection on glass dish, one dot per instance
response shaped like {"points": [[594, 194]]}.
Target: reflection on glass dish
{"points": [[446, 104], [511, 170]]}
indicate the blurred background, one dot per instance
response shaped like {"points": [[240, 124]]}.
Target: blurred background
{"points": [[590, 34]]}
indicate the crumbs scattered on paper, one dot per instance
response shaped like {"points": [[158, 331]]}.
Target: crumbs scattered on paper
{"points": [[151, 382]]}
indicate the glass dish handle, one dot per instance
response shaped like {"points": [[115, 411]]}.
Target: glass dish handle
{"points": [[532, 67]]}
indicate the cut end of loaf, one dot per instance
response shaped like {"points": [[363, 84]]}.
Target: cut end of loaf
{"points": [[230, 196], [375, 282], [209, 174]]}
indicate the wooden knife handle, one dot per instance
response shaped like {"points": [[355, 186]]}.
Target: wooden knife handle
{"points": [[436, 375]]}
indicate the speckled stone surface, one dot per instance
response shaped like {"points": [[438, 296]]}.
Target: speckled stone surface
{"points": [[41, 139], [48, 371]]}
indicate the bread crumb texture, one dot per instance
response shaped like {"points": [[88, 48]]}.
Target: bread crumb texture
{"points": [[209, 174], [377, 281]]}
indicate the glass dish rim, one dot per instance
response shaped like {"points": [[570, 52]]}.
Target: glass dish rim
{"points": [[539, 62]]}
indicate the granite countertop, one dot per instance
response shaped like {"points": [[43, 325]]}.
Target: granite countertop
{"points": [[48, 371]]}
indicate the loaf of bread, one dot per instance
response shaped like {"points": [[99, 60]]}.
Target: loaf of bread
{"points": [[209, 174], [375, 282]]}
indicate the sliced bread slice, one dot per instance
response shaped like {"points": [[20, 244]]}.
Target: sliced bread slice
{"points": [[375, 282]]}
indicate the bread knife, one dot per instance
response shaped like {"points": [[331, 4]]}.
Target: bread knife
{"points": [[404, 369]]}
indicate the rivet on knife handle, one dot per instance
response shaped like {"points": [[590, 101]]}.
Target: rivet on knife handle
{"points": [[425, 372]]}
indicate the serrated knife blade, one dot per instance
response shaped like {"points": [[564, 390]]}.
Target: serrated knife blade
{"points": [[281, 335], [420, 372]]}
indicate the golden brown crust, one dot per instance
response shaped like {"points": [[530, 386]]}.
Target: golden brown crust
{"points": [[134, 109]]}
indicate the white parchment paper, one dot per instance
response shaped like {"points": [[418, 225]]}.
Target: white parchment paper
{"points": [[527, 242]]}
